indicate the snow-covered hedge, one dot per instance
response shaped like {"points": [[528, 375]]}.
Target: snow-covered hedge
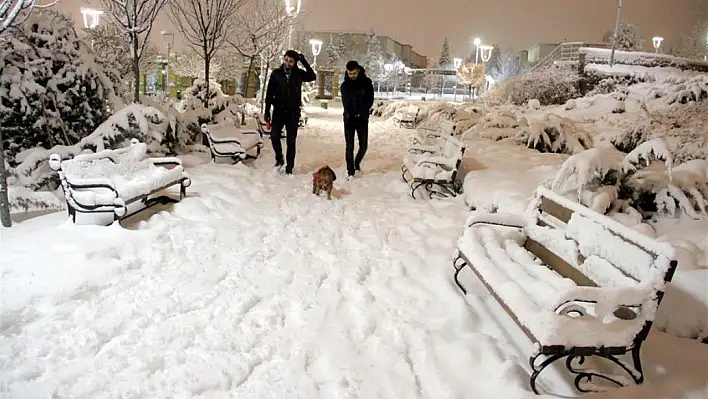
{"points": [[550, 86], [602, 56]]}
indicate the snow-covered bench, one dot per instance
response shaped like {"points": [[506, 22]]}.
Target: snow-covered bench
{"points": [[430, 132], [227, 141], [578, 283], [434, 168], [406, 116], [118, 181]]}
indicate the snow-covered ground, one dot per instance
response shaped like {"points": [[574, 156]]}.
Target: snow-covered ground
{"points": [[253, 288]]}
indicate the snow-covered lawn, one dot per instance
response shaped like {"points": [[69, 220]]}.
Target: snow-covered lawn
{"points": [[253, 288]]}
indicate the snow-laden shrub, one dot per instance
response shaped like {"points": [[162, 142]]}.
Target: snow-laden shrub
{"points": [[145, 123], [692, 90], [619, 107], [554, 134], [23, 199], [534, 104], [51, 90], [682, 127], [612, 182], [550, 87]]}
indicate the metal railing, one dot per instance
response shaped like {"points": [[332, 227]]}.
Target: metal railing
{"points": [[565, 53]]}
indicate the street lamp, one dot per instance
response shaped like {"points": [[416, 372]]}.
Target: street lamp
{"points": [[316, 48], [168, 38], [91, 17], [486, 52], [656, 41], [458, 63], [614, 37], [477, 42], [292, 12]]}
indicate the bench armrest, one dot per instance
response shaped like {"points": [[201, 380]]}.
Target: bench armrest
{"points": [[503, 219], [159, 161], [624, 303]]}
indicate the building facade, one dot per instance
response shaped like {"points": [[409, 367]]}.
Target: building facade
{"points": [[356, 47]]}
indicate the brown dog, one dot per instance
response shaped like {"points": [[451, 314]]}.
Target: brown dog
{"points": [[322, 180]]}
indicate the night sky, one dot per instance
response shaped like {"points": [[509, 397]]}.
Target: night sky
{"points": [[511, 24]]}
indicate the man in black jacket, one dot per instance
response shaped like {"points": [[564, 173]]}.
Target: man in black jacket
{"points": [[357, 98], [284, 93]]}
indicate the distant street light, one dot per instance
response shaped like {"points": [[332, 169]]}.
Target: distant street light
{"points": [[477, 42], [614, 37], [292, 12], [457, 62], [92, 17], [168, 39], [316, 48], [656, 41], [486, 52]]}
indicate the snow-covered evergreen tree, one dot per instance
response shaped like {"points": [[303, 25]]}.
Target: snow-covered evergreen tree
{"points": [[374, 61], [52, 91], [627, 39], [337, 50], [445, 62]]}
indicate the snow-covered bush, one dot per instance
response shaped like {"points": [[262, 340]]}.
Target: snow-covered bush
{"points": [[693, 90], [145, 123], [614, 183], [556, 134], [549, 87], [51, 90]]}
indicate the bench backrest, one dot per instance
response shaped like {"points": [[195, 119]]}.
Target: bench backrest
{"points": [[451, 147], [594, 250], [102, 164]]}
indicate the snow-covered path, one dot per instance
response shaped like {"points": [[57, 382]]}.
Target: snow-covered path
{"points": [[253, 288]]}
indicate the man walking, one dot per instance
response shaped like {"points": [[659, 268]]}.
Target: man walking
{"points": [[357, 98], [284, 93]]}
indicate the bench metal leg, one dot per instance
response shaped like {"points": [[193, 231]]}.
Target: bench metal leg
{"points": [[574, 361], [404, 171], [414, 187], [459, 264]]}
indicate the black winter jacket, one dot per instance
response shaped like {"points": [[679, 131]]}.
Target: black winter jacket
{"points": [[284, 94], [357, 95]]}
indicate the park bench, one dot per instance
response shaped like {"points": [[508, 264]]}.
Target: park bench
{"points": [[227, 141], [579, 284], [121, 182], [434, 168]]}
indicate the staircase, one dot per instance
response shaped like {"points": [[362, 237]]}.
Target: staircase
{"points": [[564, 54]]}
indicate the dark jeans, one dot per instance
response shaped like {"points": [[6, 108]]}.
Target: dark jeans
{"points": [[289, 120], [360, 126]]}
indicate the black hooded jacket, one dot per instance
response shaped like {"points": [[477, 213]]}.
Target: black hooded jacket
{"points": [[286, 94], [357, 94]]}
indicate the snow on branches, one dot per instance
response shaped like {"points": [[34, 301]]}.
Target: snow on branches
{"points": [[611, 182]]}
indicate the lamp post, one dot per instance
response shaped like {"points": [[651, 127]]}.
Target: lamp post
{"points": [[656, 41], [316, 48], [292, 12], [486, 52], [458, 63], [614, 37], [168, 38], [92, 17], [477, 42]]}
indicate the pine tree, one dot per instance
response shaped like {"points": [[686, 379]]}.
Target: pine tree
{"points": [[445, 62], [374, 61], [52, 92], [336, 50], [628, 38]]}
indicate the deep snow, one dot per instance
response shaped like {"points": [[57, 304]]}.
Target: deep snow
{"points": [[253, 288]]}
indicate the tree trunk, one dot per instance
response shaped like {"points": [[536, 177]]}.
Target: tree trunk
{"points": [[136, 70], [206, 79], [4, 201], [247, 79]]}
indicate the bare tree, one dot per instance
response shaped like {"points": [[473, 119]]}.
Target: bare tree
{"points": [[261, 23], [205, 26], [224, 66], [112, 48], [136, 18], [12, 13], [505, 66], [269, 54]]}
